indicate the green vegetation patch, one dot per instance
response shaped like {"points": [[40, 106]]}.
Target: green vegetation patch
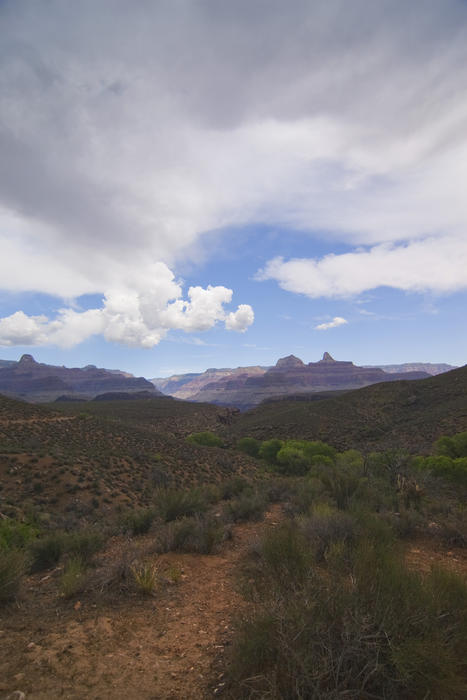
{"points": [[206, 439]]}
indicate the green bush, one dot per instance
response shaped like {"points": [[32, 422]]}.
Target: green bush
{"points": [[316, 449], [249, 445], [291, 461], [16, 535], [295, 457], [207, 439], [46, 551], [454, 447], [138, 522], [449, 468], [269, 449]]}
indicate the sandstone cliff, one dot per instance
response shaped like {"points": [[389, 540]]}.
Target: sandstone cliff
{"points": [[247, 387], [35, 381]]}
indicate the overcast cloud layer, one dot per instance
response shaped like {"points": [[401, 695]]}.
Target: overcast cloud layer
{"points": [[129, 130]]}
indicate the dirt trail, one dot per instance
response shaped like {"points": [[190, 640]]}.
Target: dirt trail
{"points": [[155, 649]]}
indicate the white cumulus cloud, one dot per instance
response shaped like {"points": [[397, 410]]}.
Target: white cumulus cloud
{"points": [[241, 319], [138, 315], [336, 321], [436, 264]]}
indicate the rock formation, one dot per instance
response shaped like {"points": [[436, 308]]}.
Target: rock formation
{"points": [[245, 388], [35, 381]]}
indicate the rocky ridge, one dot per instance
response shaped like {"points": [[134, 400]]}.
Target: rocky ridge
{"points": [[36, 381], [247, 387]]}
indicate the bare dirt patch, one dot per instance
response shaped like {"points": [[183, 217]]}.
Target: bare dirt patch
{"points": [[160, 647], [423, 554]]}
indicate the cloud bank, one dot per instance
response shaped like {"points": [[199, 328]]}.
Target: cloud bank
{"points": [[436, 264], [127, 133], [140, 315]]}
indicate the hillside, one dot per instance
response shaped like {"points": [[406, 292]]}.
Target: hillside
{"points": [[174, 601], [88, 461], [35, 381], [409, 414], [432, 368]]}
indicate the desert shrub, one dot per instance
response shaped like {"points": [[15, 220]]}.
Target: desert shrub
{"points": [[269, 449], [369, 526], [303, 494], [200, 535], [211, 493], [367, 628], [405, 523], [388, 464], [73, 579], [159, 477], [46, 551], [145, 577], [326, 527], [84, 544], [117, 577], [138, 522], [343, 479], [249, 445], [452, 526], [285, 555], [250, 505], [174, 573], [376, 493], [177, 503], [277, 489], [12, 568], [16, 535], [206, 439], [234, 487]]}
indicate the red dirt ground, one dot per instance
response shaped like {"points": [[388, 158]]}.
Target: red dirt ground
{"points": [[156, 648]]}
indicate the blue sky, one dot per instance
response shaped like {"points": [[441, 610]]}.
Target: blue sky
{"points": [[199, 184]]}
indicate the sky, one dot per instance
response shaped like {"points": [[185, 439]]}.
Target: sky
{"points": [[188, 184]]}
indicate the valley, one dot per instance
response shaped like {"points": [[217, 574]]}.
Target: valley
{"points": [[163, 548]]}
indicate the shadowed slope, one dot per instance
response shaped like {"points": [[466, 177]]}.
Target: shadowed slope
{"points": [[402, 413]]}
